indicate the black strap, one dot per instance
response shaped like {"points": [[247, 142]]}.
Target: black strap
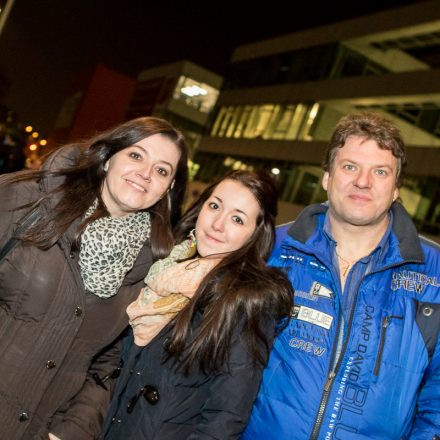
{"points": [[13, 241]]}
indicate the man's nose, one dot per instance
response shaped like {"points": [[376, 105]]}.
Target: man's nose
{"points": [[363, 179]]}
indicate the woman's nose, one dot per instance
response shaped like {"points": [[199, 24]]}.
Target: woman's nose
{"points": [[145, 173], [218, 223]]}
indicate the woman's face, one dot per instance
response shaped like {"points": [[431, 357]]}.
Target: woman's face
{"points": [[227, 219], [139, 176]]}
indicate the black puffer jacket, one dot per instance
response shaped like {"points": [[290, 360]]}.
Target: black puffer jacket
{"points": [[54, 336]]}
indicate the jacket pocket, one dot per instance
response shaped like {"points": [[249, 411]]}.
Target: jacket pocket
{"points": [[383, 332]]}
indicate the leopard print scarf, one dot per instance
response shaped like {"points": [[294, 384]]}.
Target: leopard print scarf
{"points": [[109, 248]]}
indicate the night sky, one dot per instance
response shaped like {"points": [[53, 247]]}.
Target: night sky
{"points": [[46, 42]]}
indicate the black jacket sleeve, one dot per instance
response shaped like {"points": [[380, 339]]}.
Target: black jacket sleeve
{"points": [[231, 394], [84, 417]]}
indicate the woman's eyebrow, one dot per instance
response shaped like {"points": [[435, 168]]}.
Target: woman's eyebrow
{"points": [[148, 153]]}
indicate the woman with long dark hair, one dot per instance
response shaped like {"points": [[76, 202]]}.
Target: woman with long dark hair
{"points": [[77, 238], [204, 324]]}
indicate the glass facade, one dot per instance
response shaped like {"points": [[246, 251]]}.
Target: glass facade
{"points": [[307, 121], [267, 121], [405, 42], [310, 64], [423, 115]]}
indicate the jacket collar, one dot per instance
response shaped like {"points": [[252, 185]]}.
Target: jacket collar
{"points": [[305, 225], [406, 233], [403, 229]]}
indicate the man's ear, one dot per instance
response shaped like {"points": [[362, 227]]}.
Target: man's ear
{"points": [[325, 180], [396, 194]]}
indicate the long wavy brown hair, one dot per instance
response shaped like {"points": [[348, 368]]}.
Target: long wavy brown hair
{"points": [[240, 291], [82, 183]]}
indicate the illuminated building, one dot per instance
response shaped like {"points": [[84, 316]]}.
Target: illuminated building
{"points": [[283, 96], [184, 93]]}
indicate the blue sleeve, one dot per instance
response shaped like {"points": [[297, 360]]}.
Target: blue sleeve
{"points": [[427, 421]]}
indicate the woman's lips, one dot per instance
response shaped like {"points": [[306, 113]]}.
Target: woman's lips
{"points": [[136, 186], [215, 240]]}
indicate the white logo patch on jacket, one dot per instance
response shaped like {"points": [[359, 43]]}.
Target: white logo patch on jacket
{"points": [[312, 316]]}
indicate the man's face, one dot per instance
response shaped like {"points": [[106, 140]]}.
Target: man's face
{"points": [[361, 185]]}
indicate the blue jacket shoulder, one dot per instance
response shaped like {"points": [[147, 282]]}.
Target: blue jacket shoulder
{"points": [[281, 233]]}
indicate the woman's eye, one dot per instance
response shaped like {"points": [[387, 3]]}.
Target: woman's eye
{"points": [[135, 155], [237, 219], [213, 205], [162, 171]]}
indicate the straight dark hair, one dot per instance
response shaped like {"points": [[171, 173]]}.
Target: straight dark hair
{"points": [[240, 291], [81, 184]]}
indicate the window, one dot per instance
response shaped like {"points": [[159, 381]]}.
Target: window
{"points": [[199, 95]]}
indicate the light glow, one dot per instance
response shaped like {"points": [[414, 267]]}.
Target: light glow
{"points": [[193, 91]]}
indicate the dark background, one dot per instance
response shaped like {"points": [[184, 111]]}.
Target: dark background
{"points": [[46, 42]]}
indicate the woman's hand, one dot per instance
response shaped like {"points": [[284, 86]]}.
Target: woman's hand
{"points": [[53, 437]]}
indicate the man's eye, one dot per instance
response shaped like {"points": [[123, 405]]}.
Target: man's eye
{"points": [[349, 167], [382, 172]]}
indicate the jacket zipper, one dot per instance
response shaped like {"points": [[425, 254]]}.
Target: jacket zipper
{"points": [[330, 378], [385, 323], [333, 372], [334, 365], [325, 395]]}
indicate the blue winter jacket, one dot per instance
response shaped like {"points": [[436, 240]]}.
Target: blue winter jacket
{"points": [[386, 383]]}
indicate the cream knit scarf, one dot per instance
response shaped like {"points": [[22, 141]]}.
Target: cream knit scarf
{"points": [[169, 287]]}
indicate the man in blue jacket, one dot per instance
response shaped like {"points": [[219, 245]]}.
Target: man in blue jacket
{"points": [[360, 358]]}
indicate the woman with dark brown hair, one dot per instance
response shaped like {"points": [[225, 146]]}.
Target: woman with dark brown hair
{"points": [[89, 226], [204, 324]]}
